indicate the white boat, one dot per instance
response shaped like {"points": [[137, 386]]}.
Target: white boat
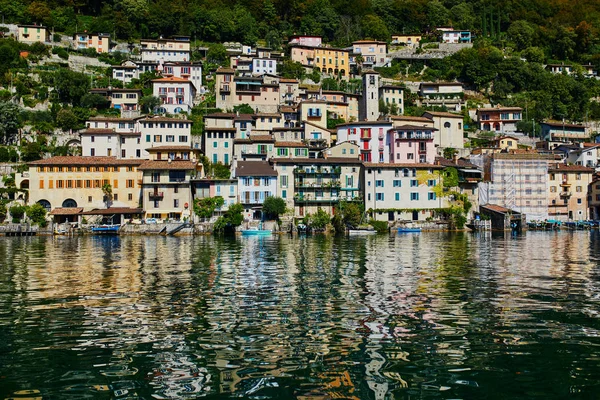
{"points": [[361, 232], [256, 232]]}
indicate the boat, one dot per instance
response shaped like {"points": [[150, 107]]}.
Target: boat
{"points": [[256, 232], [362, 231], [408, 230], [106, 229]]}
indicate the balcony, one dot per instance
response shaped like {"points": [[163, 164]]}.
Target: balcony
{"points": [[318, 171], [225, 89], [156, 195], [309, 198], [413, 135], [565, 194], [365, 136], [565, 183]]}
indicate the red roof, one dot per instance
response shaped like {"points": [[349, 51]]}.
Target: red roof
{"points": [[66, 211], [85, 160], [166, 164]]}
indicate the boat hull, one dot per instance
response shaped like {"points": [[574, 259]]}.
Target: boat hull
{"points": [[260, 232], [409, 230]]}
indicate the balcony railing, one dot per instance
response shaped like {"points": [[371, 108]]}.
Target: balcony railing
{"points": [[565, 194], [156, 195]]}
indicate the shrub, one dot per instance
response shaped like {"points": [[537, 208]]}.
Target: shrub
{"points": [[17, 211], [37, 214]]}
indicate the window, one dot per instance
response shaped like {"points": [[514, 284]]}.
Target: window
{"points": [[578, 201], [170, 138], [414, 196], [397, 183], [283, 180], [553, 189], [379, 183], [129, 183], [410, 156], [397, 195], [431, 182], [578, 189], [431, 196], [92, 152], [89, 199], [215, 145], [578, 177], [130, 196], [414, 183], [176, 203], [379, 196]]}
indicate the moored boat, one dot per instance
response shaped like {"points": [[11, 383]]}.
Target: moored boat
{"points": [[256, 232], [408, 230], [106, 229]]}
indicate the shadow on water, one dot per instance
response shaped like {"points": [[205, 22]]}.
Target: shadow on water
{"points": [[433, 315]]}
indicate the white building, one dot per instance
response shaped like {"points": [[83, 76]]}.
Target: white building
{"points": [[161, 131], [176, 94], [257, 180], [175, 49], [261, 66]]}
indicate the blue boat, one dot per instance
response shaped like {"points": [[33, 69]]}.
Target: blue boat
{"points": [[409, 230], [256, 232], [106, 229]]}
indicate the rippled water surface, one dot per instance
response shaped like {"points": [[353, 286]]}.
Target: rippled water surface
{"points": [[426, 316]]}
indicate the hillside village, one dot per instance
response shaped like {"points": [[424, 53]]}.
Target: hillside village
{"points": [[171, 126]]}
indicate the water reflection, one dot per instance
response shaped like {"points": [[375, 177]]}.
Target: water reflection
{"points": [[407, 316]]}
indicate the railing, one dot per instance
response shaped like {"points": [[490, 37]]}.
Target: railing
{"points": [[565, 194], [156, 195]]}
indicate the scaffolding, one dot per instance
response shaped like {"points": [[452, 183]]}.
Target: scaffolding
{"points": [[520, 182]]}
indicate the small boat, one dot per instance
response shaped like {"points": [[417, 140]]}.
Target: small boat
{"points": [[106, 229], [365, 231], [256, 231], [408, 230]]}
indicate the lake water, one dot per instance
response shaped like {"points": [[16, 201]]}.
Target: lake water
{"points": [[408, 316]]}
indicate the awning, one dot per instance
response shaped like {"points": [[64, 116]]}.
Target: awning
{"points": [[471, 171]]}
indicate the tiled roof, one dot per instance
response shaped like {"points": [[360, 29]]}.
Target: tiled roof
{"points": [[254, 168], [310, 161], [166, 164], [414, 127], [66, 211], [172, 79], [164, 119], [360, 123], [114, 89], [220, 115], [443, 114], [499, 109], [496, 208], [559, 124], [287, 80], [441, 83], [410, 118], [98, 131], [86, 160], [112, 119], [256, 138], [570, 168], [290, 144], [460, 163]]}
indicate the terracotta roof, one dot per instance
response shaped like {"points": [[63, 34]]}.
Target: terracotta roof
{"points": [[414, 127], [409, 118], [360, 123], [256, 138], [225, 71], [309, 161], [114, 210], [290, 144], [496, 208], [500, 109], [460, 163], [129, 133], [167, 147], [112, 119], [401, 165], [166, 164], [164, 119], [443, 114], [98, 131], [368, 42], [254, 168], [86, 160], [172, 79], [569, 168], [66, 211], [291, 129], [559, 124], [114, 89], [287, 80], [220, 115], [244, 117], [288, 109], [440, 83], [505, 137]]}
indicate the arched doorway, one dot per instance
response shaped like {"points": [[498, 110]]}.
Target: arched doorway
{"points": [[69, 203], [46, 204]]}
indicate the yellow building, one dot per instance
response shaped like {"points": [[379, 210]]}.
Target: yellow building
{"points": [[75, 182], [332, 61], [32, 33], [568, 192]]}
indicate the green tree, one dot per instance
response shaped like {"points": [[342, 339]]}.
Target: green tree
{"points": [[231, 219], [534, 54], [70, 86], [17, 212], [107, 194], [9, 122], [243, 109], [94, 100], [449, 153], [292, 70], [273, 207], [205, 207], [521, 33], [37, 214], [217, 54], [66, 120], [149, 103], [318, 221], [374, 27]]}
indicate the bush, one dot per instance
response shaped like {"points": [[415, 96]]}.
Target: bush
{"points": [[17, 211], [380, 226], [56, 38], [61, 52], [37, 214]]}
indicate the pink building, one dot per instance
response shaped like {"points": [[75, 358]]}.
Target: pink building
{"points": [[306, 40], [412, 144], [371, 137]]}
